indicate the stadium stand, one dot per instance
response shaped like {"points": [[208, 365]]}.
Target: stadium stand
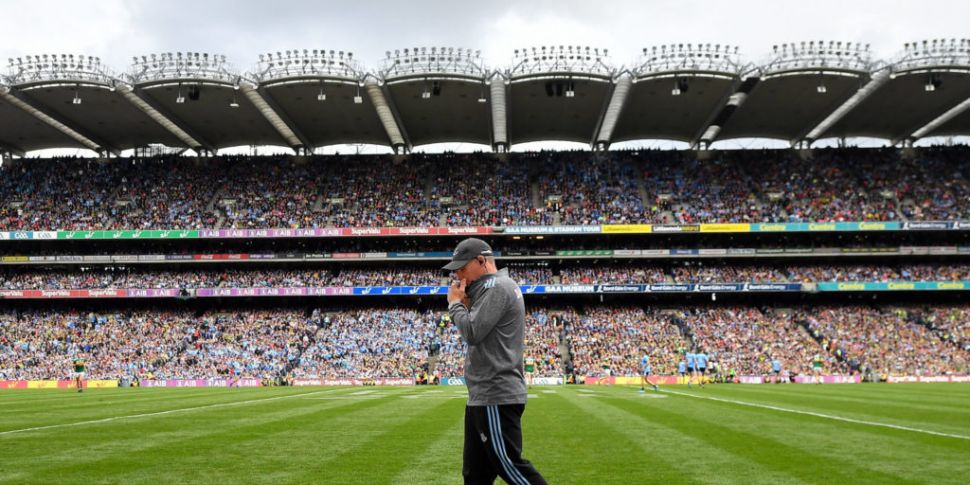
{"points": [[564, 188]]}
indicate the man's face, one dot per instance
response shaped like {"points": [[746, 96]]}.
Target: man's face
{"points": [[472, 270]]}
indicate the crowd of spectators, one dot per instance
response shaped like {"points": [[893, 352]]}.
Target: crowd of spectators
{"points": [[149, 344], [485, 189], [952, 323], [584, 189], [473, 190], [400, 342], [745, 341], [611, 341], [25, 278], [887, 340]]}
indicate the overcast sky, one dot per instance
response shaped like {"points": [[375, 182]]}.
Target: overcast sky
{"points": [[116, 30]]}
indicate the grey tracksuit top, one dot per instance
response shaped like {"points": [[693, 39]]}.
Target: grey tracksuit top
{"points": [[494, 330]]}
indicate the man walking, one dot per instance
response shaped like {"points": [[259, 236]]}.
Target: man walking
{"points": [[488, 309]]}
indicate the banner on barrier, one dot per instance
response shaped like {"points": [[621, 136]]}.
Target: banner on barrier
{"points": [[547, 381], [751, 380], [241, 382], [895, 286], [627, 228], [585, 252], [633, 380], [725, 227], [452, 381], [433, 231], [57, 384], [899, 379], [379, 381], [829, 379], [662, 228], [567, 229]]}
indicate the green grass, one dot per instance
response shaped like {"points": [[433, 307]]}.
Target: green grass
{"points": [[581, 435]]}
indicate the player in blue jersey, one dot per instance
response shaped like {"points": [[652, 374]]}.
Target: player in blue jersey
{"points": [[700, 366], [682, 370], [776, 369], [690, 367], [645, 373]]}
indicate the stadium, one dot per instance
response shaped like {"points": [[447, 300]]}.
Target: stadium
{"points": [[177, 312]]}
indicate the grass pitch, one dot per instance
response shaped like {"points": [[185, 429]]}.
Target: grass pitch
{"points": [[903, 433]]}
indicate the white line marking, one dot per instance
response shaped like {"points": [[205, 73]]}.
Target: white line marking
{"points": [[548, 392], [159, 413], [429, 396], [530, 396], [362, 393], [820, 415]]}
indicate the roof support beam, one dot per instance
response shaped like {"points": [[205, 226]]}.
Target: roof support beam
{"points": [[197, 142], [875, 82], [621, 90], [272, 115], [271, 101], [129, 94], [18, 101], [500, 130], [105, 146], [939, 121], [730, 103], [385, 114]]}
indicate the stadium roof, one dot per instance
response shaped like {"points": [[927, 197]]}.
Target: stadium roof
{"points": [[697, 93]]}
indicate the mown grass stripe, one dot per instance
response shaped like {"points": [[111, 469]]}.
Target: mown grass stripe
{"points": [[821, 415], [802, 463], [667, 454], [156, 413], [85, 402], [935, 415], [193, 440], [571, 443], [438, 458], [395, 445], [910, 456]]}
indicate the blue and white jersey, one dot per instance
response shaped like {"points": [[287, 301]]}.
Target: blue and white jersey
{"points": [[776, 365], [701, 360], [690, 360], [682, 367]]}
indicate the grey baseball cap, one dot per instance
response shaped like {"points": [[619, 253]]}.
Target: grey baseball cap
{"points": [[466, 251]]}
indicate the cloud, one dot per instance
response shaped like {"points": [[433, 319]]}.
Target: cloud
{"points": [[116, 30]]}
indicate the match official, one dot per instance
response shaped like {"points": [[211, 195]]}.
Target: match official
{"points": [[487, 307]]}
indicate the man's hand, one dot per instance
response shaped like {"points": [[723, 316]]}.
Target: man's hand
{"points": [[456, 292]]}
